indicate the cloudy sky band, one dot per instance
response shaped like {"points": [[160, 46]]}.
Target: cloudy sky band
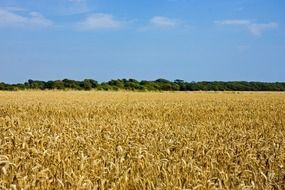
{"points": [[187, 39], [98, 21]]}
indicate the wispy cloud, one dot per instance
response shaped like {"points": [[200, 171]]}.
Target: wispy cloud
{"points": [[164, 22], [77, 1], [100, 21], [255, 29], [17, 17], [243, 47]]}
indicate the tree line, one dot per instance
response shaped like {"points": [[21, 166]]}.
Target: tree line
{"points": [[145, 85]]}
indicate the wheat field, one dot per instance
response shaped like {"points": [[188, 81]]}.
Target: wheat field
{"points": [[141, 140]]}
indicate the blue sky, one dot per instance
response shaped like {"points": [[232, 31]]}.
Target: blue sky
{"points": [[194, 40]]}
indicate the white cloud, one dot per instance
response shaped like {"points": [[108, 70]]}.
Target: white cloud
{"points": [[234, 22], [243, 47], [164, 22], [77, 1], [161, 22], [12, 17], [255, 29], [100, 21]]}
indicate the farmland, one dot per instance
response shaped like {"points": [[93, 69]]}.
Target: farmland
{"points": [[142, 140]]}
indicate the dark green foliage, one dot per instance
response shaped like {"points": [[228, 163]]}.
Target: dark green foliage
{"points": [[88, 84], [157, 85]]}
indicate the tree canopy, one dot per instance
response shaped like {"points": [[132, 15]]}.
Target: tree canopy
{"points": [[144, 85]]}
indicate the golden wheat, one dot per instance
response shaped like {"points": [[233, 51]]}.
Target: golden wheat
{"points": [[128, 140]]}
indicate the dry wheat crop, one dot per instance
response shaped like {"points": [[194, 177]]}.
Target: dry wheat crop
{"points": [[129, 140]]}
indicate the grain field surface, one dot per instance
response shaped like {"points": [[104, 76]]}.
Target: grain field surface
{"points": [[141, 140]]}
